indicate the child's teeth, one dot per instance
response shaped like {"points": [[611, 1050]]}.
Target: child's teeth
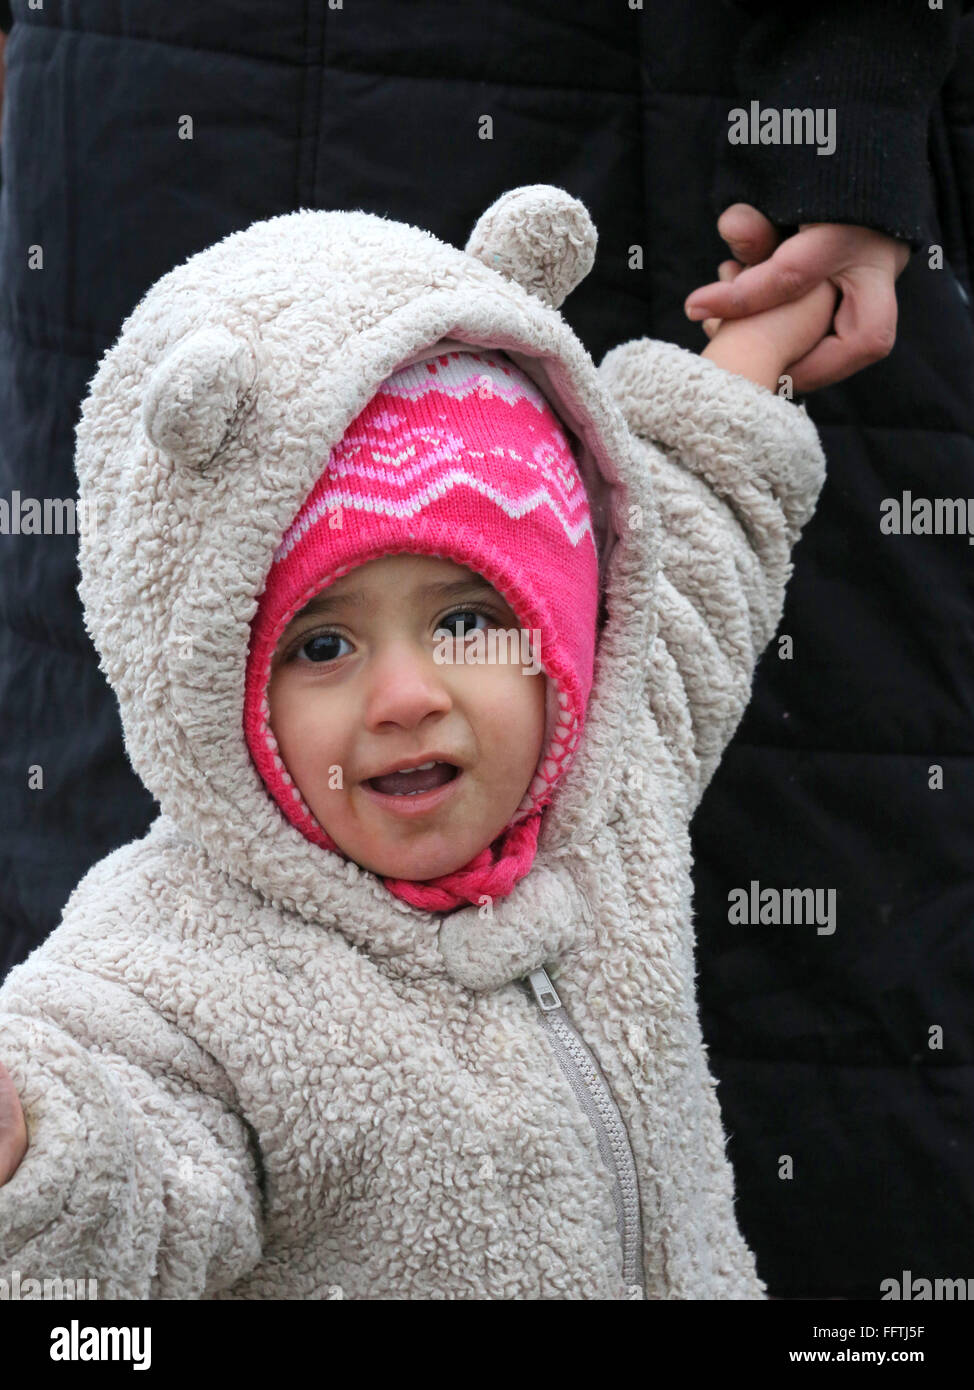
{"points": [[394, 781], [407, 771]]}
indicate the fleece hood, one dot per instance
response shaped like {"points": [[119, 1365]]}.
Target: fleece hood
{"points": [[202, 433]]}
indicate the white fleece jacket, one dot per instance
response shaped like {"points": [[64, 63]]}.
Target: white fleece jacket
{"points": [[249, 1071]]}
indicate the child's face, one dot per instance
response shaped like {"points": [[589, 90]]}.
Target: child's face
{"points": [[354, 686]]}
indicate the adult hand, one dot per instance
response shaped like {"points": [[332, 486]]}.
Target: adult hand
{"points": [[13, 1130], [863, 264]]}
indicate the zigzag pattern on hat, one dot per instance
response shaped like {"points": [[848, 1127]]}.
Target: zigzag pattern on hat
{"points": [[389, 463]]}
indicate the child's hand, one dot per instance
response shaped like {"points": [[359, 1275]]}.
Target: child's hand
{"points": [[13, 1130], [794, 333], [763, 346], [862, 263]]}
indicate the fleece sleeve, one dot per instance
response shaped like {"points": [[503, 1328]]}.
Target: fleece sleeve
{"points": [[735, 471], [139, 1173]]}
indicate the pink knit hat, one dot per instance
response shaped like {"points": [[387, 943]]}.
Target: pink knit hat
{"points": [[459, 456]]}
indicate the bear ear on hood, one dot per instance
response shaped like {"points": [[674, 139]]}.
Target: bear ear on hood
{"points": [[539, 236], [197, 393]]}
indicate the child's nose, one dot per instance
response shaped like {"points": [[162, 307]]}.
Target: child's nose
{"points": [[405, 684]]}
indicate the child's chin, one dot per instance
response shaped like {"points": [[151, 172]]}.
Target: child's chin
{"points": [[418, 868], [425, 869]]}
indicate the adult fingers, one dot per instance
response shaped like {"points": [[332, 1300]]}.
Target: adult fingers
{"points": [[799, 264], [751, 236], [864, 332], [727, 270]]}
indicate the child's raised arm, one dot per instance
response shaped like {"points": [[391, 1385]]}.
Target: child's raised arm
{"points": [[736, 473]]}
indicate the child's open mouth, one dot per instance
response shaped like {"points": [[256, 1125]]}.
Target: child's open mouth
{"points": [[420, 789]]}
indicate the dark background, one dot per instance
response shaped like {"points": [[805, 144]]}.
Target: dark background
{"points": [[821, 1043]]}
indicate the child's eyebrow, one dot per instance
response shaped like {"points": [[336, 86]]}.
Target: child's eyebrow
{"points": [[355, 598]]}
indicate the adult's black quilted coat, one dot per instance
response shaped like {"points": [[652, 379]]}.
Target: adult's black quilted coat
{"points": [[821, 1041]]}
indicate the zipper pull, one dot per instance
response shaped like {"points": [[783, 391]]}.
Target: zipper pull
{"points": [[543, 990]]}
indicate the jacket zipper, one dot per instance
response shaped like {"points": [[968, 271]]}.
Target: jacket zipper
{"points": [[596, 1099]]}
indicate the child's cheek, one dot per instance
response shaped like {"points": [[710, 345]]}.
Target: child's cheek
{"points": [[292, 719]]}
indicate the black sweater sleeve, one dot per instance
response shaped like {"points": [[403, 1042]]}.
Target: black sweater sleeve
{"points": [[878, 65], [6, 18]]}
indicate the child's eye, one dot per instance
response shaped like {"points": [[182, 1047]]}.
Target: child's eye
{"points": [[466, 614], [318, 648]]}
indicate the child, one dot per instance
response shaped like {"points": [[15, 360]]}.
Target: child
{"points": [[427, 635]]}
